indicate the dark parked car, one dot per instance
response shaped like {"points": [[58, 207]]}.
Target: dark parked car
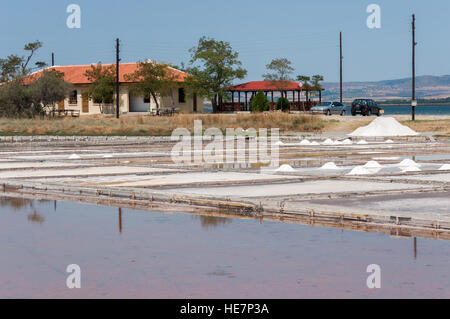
{"points": [[366, 107]]}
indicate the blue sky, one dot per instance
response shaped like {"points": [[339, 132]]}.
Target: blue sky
{"points": [[306, 32]]}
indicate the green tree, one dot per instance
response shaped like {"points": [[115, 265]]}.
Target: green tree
{"points": [[103, 83], [279, 70], [49, 88], [305, 80], [283, 104], [16, 100], [153, 79], [316, 79], [17, 67], [213, 68], [260, 103]]}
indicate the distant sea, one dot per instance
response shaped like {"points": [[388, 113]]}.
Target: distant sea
{"points": [[420, 110], [392, 110]]}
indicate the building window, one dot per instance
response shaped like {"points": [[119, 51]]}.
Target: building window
{"points": [[73, 98], [147, 100], [181, 95]]}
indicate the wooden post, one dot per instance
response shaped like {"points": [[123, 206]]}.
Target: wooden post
{"points": [[246, 101], [239, 99], [320, 96]]}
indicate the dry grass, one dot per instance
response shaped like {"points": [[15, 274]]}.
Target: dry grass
{"points": [[163, 125], [441, 126]]}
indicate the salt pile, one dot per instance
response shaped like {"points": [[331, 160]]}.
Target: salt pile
{"points": [[389, 141], [408, 163], [328, 142], [411, 168], [305, 142], [329, 165], [362, 142], [74, 156], [314, 143], [279, 143], [359, 170], [384, 126], [347, 142], [372, 164], [107, 156], [285, 168], [337, 143], [445, 167]]}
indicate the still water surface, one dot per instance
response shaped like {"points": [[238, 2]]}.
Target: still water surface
{"points": [[127, 253]]}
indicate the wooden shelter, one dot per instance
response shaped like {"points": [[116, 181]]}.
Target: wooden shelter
{"points": [[299, 95]]}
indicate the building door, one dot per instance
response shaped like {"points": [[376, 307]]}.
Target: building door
{"points": [[195, 102], [85, 104], [61, 105]]}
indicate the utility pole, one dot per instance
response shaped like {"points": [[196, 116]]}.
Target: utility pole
{"points": [[53, 59], [340, 62], [413, 97], [117, 78]]}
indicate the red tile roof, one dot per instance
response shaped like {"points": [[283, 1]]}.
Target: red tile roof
{"points": [[75, 74], [268, 86]]}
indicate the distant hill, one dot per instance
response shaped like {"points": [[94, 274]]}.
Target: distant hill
{"points": [[427, 86]]}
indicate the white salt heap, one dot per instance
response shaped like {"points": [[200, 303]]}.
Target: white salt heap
{"points": [[347, 142], [359, 170], [328, 142], [74, 156], [329, 165], [285, 168], [445, 167], [372, 164], [305, 142], [411, 168], [362, 142], [279, 143], [314, 143], [337, 143], [389, 141], [408, 163], [384, 126], [107, 156]]}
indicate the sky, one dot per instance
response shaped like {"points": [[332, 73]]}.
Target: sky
{"points": [[305, 32]]}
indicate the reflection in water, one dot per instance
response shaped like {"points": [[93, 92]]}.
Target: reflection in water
{"points": [[15, 203], [35, 218], [415, 248], [212, 221], [18, 204], [120, 220]]}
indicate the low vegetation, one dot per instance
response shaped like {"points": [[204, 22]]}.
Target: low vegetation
{"points": [[162, 125], [442, 125]]}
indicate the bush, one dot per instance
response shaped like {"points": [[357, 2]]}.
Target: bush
{"points": [[260, 103], [283, 104]]}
